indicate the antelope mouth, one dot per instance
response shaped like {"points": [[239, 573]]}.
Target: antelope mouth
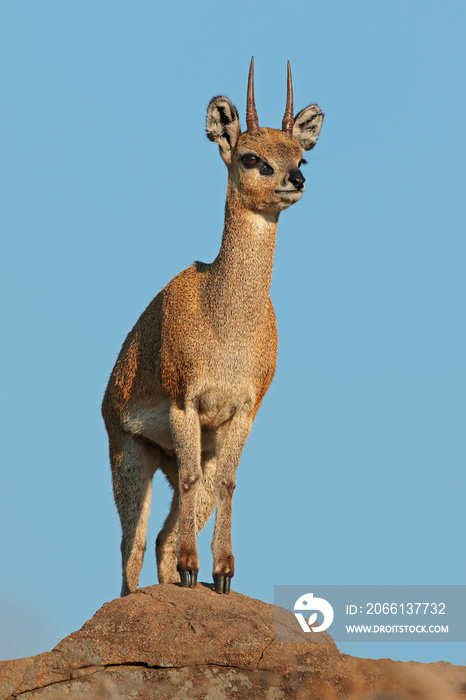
{"points": [[293, 192]]}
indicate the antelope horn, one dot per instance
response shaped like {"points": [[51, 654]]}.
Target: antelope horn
{"points": [[288, 119], [252, 119]]}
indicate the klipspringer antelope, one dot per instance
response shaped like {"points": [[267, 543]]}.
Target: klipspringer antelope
{"points": [[192, 373]]}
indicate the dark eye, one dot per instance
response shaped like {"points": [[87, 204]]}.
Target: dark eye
{"points": [[249, 161], [302, 162]]}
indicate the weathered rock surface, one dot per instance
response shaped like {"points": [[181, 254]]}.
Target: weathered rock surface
{"points": [[178, 643]]}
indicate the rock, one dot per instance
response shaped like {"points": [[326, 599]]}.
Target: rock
{"points": [[178, 643]]}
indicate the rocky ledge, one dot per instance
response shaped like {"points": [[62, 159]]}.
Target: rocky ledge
{"points": [[171, 642]]}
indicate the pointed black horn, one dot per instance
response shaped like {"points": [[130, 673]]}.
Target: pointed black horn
{"points": [[288, 119], [252, 120]]}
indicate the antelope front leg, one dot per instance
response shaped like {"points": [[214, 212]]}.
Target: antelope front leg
{"points": [[187, 437], [229, 456]]}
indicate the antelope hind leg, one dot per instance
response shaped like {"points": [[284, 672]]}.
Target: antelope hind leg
{"points": [[132, 471], [165, 544]]}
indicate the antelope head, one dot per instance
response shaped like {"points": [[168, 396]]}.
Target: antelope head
{"points": [[264, 164]]}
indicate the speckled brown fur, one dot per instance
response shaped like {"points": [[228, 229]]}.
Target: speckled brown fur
{"points": [[192, 373]]}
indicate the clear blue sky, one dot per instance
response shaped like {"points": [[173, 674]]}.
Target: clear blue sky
{"points": [[355, 470]]}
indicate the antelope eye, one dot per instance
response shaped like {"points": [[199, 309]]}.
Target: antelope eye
{"points": [[249, 161]]}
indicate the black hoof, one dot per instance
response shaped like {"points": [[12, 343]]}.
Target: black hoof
{"points": [[222, 584], [188, 579]]}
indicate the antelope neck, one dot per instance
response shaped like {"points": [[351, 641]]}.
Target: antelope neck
{"points": [[240, 276]]}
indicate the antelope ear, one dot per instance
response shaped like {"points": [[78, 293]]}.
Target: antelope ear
{"points": [[223, 126], [307, 126]]}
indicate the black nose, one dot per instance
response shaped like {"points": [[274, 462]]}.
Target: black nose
{"points": [[297, 179]]}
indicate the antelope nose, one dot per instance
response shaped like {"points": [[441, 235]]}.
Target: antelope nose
{"points": [[297, 179]]}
